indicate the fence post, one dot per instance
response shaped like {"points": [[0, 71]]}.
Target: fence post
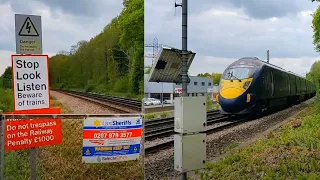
{"points": [[2, 124], [33, 163], [142, 143]]}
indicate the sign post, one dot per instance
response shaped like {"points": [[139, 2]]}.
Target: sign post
{"points": [[190, 116], [111, 139], [30, 74], [28, 33], [2, 119]]}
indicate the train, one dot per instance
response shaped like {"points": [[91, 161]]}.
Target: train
{"points": [[250, 86]]}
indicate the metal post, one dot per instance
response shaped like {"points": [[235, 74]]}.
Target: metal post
{"points": [[33, 163], [184, 68], [268, 56], [162, 93], [2, 118]]}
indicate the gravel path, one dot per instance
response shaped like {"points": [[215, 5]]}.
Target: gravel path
{"points": [[160, 164], [79, 106]]}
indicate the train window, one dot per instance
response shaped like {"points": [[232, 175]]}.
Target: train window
{"points": [[238, 73], [209, 84], [195, 83], [203, 83]]}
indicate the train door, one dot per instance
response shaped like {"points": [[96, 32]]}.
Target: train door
{"points": [[264, 82], [267, 83], [289, 83], [271, 83]]}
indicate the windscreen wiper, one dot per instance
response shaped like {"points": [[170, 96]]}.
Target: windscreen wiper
{"points": [[231, 75]]}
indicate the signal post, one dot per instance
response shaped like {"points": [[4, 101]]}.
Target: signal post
{"points": [[171, 66], [31, 94]]}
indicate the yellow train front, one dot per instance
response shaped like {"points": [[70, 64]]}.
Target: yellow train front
{"points": [[250, 85], [236, 95]]}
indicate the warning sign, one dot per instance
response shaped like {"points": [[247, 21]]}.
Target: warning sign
{"points": [[28, 28], [28, 34], [23, 134], [111, 139], [30, 82]]}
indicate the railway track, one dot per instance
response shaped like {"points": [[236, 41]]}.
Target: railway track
{"points": [[105, 100], [165, 127], [212, 118], [228, 124]]}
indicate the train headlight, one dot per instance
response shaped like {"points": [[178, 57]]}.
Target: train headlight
{"points": [[246, 85], [248, 98]]}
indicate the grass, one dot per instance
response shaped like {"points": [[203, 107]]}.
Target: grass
{"points": [[231, 146], [292, 152], [14, 160], [212, 105], [64, 161], [163, 114]]}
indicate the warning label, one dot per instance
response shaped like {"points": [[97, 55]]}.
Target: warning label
{"points": [[30, 77], [26, 45], [22, 134]]}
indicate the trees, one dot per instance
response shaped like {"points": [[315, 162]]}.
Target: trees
{"points": [[314, 74], [215, 76], [110, 62], [6, 78], [316, 28]]}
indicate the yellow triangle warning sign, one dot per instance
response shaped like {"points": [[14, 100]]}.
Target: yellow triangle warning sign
{"points": [[28, 29]]}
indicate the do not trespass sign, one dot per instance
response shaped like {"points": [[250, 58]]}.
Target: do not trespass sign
{"points": [[30, 82]]}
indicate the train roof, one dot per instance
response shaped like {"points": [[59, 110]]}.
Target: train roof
{"points": [[258, 62]]}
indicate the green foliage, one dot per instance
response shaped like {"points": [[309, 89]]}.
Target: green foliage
{"points": [[6, 102], [1, 82], [147, 70], [209, 103], [149, 116], [164, 114], [122, 85], [290, 153], [314, 74], [316, 29], [6, 78], [17, 164], [111, 62], [215, 76]]}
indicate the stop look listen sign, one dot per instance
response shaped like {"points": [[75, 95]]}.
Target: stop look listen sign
{"points": [[30, 81]]}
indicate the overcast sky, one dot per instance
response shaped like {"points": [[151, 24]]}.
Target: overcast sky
{"points": [[64, 22], [221, 32]]}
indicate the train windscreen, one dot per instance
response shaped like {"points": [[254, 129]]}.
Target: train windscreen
{"points": [[234, 73]]}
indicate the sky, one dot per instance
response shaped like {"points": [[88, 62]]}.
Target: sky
{"points": [[221, 32], [64, 22]]}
